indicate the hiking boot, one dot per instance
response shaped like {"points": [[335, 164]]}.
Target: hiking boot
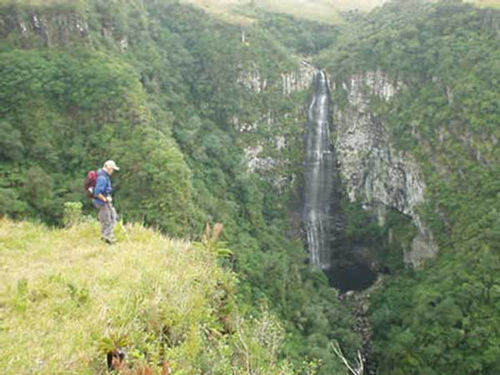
{"points": [[109, 240]]}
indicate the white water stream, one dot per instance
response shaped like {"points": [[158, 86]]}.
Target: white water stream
{"points": [[319, 176]]}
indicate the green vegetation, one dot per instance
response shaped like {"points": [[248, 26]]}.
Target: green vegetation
{"points": [[487, 3], [301, 36], [163, 89], [157, 87], [445, 318], [320, 11], [71, 110], [237, 11], [67, 300], [39, 3], [385, 242], [325, 11]]}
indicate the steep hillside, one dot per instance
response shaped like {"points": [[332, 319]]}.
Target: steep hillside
{"points": [[415, 91], [240, 11], [486, 3], [67, 299], [331, 12], [206, 126], [206, 118]]}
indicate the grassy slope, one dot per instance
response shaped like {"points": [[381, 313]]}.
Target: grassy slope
{"points": [[488, 3], [315, 10], [66, 298]]}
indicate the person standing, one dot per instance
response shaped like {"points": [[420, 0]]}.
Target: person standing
{"points": [[103, 201]]}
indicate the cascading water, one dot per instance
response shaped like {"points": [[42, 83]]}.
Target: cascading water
{"points": [[344, 262], [319, 176], [322, 218]]}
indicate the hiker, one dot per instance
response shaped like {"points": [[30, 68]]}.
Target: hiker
{"points": [[103, 201]]}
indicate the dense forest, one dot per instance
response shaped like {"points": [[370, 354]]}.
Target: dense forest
{"points": [[164, 89], [442, 319], [162, 108]]}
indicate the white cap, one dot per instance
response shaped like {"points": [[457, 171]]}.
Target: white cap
{"points": [[111, 164]]}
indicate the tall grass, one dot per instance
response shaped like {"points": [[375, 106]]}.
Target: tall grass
{"points": [[66, 299]]}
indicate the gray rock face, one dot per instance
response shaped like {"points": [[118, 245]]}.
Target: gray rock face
{"points": [[52, 29], [372, 170], [55, 29], [252, 80], [298, 79]]}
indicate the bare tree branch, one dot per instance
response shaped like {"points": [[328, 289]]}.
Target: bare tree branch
{"points": [[359, 361]]}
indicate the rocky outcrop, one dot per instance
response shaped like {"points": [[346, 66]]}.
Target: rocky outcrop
{"points": [[259, 159], [298, 80], [48, 28], [60, 25], [372, 170], [292, 81], [252, 80], [267, 166]]}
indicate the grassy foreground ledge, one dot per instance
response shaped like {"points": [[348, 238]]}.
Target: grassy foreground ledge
{"points": [[66, 299]]}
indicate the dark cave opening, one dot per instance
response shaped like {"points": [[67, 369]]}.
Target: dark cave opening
{"points": [[351, 274]]}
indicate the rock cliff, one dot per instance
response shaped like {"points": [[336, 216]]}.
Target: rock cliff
{"points": [[373, 171], [50, 28], [267, 153]]}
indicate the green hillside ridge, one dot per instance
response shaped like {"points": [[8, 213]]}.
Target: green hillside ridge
{"points": [[239, 12], [66, 299], [486, 3], [442, 319], [156, 86], [326, 11]]}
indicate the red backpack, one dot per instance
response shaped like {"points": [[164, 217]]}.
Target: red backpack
{"points": [[89, 183]]}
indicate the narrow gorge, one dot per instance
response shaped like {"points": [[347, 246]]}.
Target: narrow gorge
{"points": [[353, 161]]}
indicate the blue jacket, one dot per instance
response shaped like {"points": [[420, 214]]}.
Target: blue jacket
{"points": [[102, 186]]}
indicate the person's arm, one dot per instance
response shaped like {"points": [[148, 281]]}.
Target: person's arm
{"points": [[100, 185], [101, 197]]}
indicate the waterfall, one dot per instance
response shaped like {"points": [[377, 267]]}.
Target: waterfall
{"points": [[319, 167]]}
